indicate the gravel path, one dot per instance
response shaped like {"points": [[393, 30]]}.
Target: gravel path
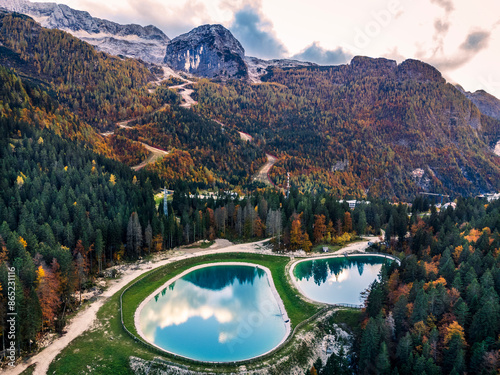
{"points": [[263, 174], [154, 155], [186, 94], [244, 136]]}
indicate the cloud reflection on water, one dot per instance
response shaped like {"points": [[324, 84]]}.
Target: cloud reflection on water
{"points": [[226, 310]]}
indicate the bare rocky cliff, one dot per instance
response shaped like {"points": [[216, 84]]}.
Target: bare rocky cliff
{"points": [[209, 51]]}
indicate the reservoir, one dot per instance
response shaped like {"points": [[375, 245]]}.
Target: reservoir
{"points": [[337, 280], [215, 313]]}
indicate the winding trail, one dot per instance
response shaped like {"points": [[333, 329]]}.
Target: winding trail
{"points": [[167, 72], [263, 174], [154, 152], [86, 317], [185, 94], [244, 136], [154, 155]]}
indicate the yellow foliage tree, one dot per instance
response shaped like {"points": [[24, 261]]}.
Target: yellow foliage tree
{"points": [[23, 242], [457, 253], [296, 235], [473, 236], [454, 329], [40, 274], [157, 243]]}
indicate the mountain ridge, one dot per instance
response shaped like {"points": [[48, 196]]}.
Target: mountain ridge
{"points": [[385, 119], [147, 43], [488, 104]]}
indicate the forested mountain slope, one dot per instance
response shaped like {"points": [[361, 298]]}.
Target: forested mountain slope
{"points": [[63, 208], [202, 151], [356, 130], [99, 88], [145, 43], [28, 101], [363, 128]]}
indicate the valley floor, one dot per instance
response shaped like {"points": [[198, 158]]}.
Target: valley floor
{"points": [[85, 318]]}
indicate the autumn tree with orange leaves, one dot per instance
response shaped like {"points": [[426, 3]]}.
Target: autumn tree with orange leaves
{"points": [[296, 235], [48, 290], [319, 228]]}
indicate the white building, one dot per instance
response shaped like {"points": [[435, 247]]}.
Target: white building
{"points": [[353, 203]]}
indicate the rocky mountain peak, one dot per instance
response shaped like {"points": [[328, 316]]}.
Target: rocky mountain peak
{"points": [[418, 71], [209, 51], [488, 104], [409, 69], [147, 43]]}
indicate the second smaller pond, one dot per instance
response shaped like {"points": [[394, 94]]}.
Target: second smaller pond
{"points": [[337, 280]]}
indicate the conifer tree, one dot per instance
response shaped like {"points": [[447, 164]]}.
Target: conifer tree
{"points": [[134, 236]]}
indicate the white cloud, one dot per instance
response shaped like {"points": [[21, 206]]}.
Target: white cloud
{"points": [[316, 53], [256, 33]]}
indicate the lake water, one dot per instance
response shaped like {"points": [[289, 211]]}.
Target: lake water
{"points": [[337, 280], [218, 313]]}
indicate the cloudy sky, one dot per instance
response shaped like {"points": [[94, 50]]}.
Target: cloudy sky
{"points": [[459, 37]]}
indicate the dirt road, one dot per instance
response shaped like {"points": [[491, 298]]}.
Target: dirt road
{"points": [[358, 246], [167, 72], [185, 94], [263, 174], [243, 136], [154, 155], [246, 137]]}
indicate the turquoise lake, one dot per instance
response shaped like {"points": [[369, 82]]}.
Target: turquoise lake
{"points": [[218, 313], [337, 280]]}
